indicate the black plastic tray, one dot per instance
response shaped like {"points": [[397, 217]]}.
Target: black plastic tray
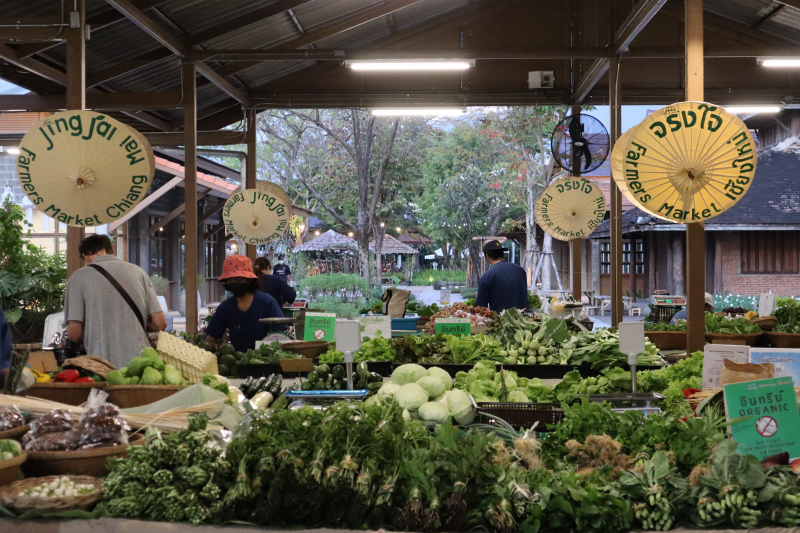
{"points": [[259, 371]]}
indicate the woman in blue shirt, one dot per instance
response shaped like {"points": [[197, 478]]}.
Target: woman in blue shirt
{"points": [[240, 314]]}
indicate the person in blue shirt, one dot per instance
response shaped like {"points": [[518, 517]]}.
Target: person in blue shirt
{"points": [[272, 284], [240, 313], [504, 285], [682, 315]]}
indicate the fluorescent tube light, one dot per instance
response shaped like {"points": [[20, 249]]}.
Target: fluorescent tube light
{"points": [[406, 65], [742, 109], [779, 61], [12, 151], [418, 111]]}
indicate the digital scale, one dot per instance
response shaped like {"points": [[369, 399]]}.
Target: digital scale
{"points": [[664, 306], [300, 303]]}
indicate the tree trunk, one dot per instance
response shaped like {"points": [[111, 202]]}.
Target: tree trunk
{"points": [[531, 248], [378, 232], [547, 246], [474, 271]]}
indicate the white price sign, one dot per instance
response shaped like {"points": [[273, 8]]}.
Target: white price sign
{"points": [[444, 297]]}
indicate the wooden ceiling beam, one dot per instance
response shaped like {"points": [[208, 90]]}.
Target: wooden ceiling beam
{"points": [[32, 65], [729, 28], [175, 46], [94, 100], [203, 37], [633, 24], [99, 21], [163, 139]]}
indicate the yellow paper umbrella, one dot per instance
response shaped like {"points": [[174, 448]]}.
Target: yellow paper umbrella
{"points": [[84, 168], [257, 216], [689, 162], [570, 208], [618, 173]]}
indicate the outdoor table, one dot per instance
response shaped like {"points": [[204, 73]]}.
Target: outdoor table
{"points": [[605, 301], [591, 296]]}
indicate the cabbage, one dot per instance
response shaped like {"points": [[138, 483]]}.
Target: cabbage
{"points": [[434, 412], [443, 398], [433, 386], [388, 390], [407, 374], [483, 370], [442, 374], [460, 407], [411, 396], [511, 383], [518, 396]]}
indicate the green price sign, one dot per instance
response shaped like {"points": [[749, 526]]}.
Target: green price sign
{"points": [[453, 326], [320, 327], [764, 415]]}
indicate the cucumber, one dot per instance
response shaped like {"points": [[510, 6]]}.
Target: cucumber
{"points": [[275, 385], [361, 370], [279, 403], [374, 377]]}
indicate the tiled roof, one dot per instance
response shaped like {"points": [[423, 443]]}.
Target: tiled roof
{"points": [[772, 200]]}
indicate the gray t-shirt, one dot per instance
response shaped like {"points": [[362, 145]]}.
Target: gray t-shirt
{"points": [[110, 328]]}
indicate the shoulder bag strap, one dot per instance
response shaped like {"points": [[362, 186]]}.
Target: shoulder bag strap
{"points": [[122, 292]]}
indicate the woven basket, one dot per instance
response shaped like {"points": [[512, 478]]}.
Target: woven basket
{"points": [[127, 396], [749, 339], [10, 470], [667, 340], [782, 340], [9, 495], [79, 462], [310, 349], [101, 367], [15, 433], [766, 323], [68, 393]]}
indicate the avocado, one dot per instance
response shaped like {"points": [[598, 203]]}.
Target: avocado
{"points": [[226, 349], [227, 360], [222, 370], [238, 355]]}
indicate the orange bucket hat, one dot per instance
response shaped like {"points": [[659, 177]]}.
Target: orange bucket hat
{"points": [[237, 266]]}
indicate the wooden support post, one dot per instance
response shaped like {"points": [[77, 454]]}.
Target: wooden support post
{"points": [[695, 233], [632, 266], [76, 99], [616, 198], [575, 285], [250, 171], [190, 190]]}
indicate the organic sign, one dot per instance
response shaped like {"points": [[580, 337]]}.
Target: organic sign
{"points": [[454, 326], [688, 162], [83, 168], [764, 412], [257, 216], [320, 327], [571, 208], [375, 326]]}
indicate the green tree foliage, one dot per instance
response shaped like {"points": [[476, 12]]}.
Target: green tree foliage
{"points": [[32, 281], [469, 190]]}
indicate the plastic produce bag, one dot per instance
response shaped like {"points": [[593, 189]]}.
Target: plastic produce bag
{"points": [[11, 418], [101, 424], [52, 432], [733, 372]]}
